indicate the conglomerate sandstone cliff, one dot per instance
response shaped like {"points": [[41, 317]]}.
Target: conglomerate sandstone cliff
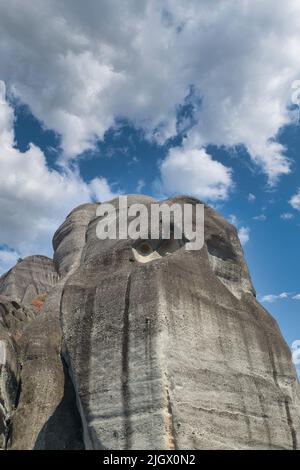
{"points": [[122, 344]]}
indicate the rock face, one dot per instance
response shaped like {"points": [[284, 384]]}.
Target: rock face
{"points": [[31, 277], [19, 287], [142, 344], [37, 399]]}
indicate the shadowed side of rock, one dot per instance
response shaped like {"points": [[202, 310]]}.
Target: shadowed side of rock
{"points": [[12, 319], [47, 416]]}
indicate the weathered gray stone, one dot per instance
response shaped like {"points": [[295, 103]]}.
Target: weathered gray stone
{"points": [[176, 352], [31, 277], [163, 348], [69, 239], [47, 415], [13, 319]]}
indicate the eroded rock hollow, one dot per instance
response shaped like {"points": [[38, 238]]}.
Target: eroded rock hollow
{"points": [[141, 344]]}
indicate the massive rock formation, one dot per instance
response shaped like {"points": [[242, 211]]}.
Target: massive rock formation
{"points": [[122, 344]]}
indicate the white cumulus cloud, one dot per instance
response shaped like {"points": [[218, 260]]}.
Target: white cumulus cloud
{"points": [[79, 66], [194, 172], [34, 199]]}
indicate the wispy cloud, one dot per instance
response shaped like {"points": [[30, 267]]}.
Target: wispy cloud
{"points": [[251, 197], [243, 232], [287, 216], [295, 349], [244, 235], [233, 219], [140, 185], [260, 218], [270, 298]]}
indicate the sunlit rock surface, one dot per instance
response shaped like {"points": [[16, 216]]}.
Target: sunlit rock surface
{"points": [[142, 344]]}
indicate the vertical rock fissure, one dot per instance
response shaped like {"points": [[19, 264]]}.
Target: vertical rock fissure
{"points": [[290, 422], [170, 428], [68, 370], [6, 425], [7, 415], [66, 361], [125, 368], [168, 417], [19, 389]]}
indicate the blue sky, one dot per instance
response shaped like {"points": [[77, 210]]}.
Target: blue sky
{"points": [[159, 98]]}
